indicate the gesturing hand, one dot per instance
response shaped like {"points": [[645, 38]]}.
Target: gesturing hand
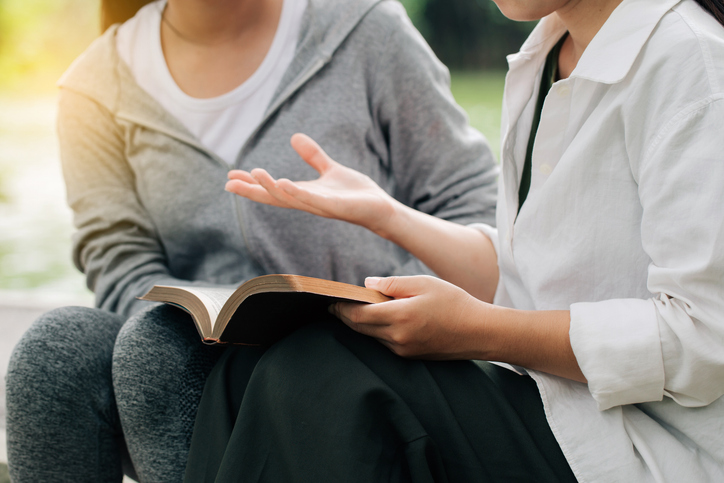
{"points": [[457, 253], [339, 192], [429, 318]]}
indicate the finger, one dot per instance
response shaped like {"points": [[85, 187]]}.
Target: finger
{"points": [[264, 189], [270, 185], [254, 192], [343, 312], [361, 314], [312, 153], [318, 202], [260, 174], [282, 198], [375, 321], [402, 287], [242, 176]]}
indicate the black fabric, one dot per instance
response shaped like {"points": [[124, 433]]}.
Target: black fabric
{"points": [[328, 404], [549, 77]]}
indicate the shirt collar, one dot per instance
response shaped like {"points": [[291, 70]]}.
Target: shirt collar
{"points": [[612, 52]]}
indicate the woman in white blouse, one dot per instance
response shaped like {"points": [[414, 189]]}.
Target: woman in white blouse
{"points": [[604, 280]]}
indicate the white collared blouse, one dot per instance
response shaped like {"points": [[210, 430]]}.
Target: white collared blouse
{"points": [[624, 226]]}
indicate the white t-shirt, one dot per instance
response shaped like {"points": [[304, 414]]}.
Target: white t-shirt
{"points": [[223, 123]]}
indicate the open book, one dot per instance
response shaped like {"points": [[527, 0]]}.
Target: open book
{"points": [[262, 310]]}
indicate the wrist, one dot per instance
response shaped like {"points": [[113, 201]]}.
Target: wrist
{"points": [[484, 337], [534, 339], [392, 220], [495, 333]]}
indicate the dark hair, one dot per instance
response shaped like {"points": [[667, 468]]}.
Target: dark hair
{"points": [[118, 11], [714, 7]]}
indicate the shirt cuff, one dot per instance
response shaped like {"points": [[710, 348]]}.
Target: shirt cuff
{"points": [[618, 348]]}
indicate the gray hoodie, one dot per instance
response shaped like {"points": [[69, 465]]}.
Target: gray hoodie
{"points": [[149, 200]]}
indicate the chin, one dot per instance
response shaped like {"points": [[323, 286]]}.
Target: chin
{"points": [[524, 10]]}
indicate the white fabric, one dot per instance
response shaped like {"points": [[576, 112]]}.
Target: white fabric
{"points": [[624, 226], [223, 123]]}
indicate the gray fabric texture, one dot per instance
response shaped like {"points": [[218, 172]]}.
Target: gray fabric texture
{"points": [[150, 208], [158, 392], [62, 422], [63, 416], [149, 200]]}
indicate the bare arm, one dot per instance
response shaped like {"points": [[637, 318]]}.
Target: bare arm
{"points": [[428, 318], [432, 319]]}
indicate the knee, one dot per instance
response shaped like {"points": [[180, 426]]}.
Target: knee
{"points": [[159, 324], [161, 344], [168, 331], [159, 367], [64, 347]]}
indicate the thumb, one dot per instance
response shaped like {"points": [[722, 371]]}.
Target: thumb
{"points": [[399, 287], [311, 153]]}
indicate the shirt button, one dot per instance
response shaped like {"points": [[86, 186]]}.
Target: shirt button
{"points": [[563, 90], [545, 169]]}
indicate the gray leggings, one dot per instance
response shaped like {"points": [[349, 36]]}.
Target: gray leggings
{"points": [[82, 386]]}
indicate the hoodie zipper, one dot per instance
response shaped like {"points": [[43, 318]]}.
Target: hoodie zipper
{"points": [[294, 87]]}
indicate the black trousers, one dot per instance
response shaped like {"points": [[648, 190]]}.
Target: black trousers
{"points": [[326, 404]]}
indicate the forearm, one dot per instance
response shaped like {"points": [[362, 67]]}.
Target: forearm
{"points": [[433, 319], [536, 339], [456, 253]]}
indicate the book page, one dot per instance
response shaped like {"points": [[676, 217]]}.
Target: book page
{"points": [[213, 299]]}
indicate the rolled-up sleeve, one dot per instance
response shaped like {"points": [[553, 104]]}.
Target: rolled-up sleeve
{"points": [[671, 345]]}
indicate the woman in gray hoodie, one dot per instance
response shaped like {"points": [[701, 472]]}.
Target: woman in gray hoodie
{"points": [[152, 117]]}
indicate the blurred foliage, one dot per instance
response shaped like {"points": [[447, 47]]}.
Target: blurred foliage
{"points": [[480, 94], [4, 175], [467, 34], [40, 38]]}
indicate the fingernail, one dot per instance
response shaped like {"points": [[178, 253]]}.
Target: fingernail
{"points": [[372, 282]]}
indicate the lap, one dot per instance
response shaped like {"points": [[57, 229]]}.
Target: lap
{"points": [[326, 403]]}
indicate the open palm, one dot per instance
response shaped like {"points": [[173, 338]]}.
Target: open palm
{"points": [[339, 192]]}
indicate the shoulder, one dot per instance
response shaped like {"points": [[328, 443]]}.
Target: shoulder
{"points": [[389, 21], [676, 88], [387, 15], [686, 51], [706, 38], [94, 73], [397, 45], [680, 68]]}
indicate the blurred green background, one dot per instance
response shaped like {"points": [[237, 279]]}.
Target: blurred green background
{"points": [[40, 38]]}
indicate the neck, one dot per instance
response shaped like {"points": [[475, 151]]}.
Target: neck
{"points": [[208, 22], [583, 19], [199, 37]]}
